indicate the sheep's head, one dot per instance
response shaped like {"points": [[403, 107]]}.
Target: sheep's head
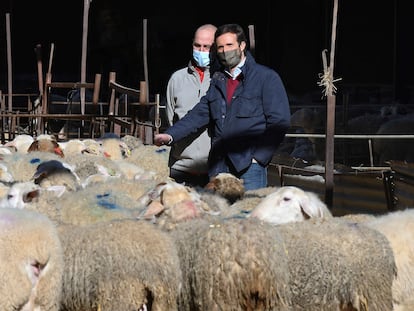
{"points": [[227, 185], [289, 204], [46, 143], [173, 202], [19, 194]]}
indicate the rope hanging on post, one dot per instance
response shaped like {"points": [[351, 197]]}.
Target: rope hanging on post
{"points": [[326, 77], [327, 80]]}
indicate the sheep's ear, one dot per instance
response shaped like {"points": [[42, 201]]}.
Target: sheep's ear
{"points": [[33, 146], [312, 206], [30, 196]]}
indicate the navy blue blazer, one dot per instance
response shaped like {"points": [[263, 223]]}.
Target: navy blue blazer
{"points": [[252, 126]]}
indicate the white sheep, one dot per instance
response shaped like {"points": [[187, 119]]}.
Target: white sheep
{"points": [[232, 265], [119, 265], [247, 264], [21, 143], [19, 194], [31, 261], [335, 264], [85, 206], [5, 175], [252, 198], [153, 159], [290, 204], [22, 166], [398, 227]]}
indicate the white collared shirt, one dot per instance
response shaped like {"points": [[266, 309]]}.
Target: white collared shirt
{"points": [[237, 70]]}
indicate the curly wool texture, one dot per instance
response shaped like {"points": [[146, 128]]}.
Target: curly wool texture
{"points": [[86, 165], [23, 166], [132, 142], [119, 265], [93, 204], [252, 198], [31, 261], [153, 159], [227, 185], [336, 264], [398, 227], [231, 265]]}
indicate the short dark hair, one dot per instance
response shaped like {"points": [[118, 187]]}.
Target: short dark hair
{"points": [[232, 28]]}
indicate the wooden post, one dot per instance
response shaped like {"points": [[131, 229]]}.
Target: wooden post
{"points": [[252, 41], [9, 64], [84, 52], [38, 51], [157, 120], [329, 148], [330, 124], [145, 49]]}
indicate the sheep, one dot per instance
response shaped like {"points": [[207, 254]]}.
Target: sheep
{"points": [[56, 173], [152, 159], [5, 176], [87, 167], [86, 206], [395, 149], [73, 146], [19, 194], [132, 142], [115, 148], [46, 143], [170, 203], [338, 265], [357, 217], [398, 226], [227, 185], [290, 204], [31, 261], [285, 210], [22, 166], [21, 143], [231, 265], [6, 150], [251, 198], [3, 190], [119, 265]]}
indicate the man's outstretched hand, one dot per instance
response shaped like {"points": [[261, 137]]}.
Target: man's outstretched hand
{"points": [[162, 139]]}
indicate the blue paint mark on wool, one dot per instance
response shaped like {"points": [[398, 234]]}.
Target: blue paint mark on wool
{"points": [[99, 196], [107, 205], [34, 160], [103, 201], [161, 150]]}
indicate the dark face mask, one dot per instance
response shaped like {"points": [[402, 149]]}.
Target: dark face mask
{"points": [[230, 59]]}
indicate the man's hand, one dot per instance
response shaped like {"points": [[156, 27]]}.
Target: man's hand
{"points": [[162, 139]]}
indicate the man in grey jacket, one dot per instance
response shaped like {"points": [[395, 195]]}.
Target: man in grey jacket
{"points": [[188, 157], [246, 111]]}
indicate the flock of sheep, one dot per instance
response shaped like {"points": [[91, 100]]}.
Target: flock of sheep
{"points": [[98, 225]]}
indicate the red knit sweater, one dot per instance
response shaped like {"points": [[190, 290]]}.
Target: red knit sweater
{"points": [[231, 86]]}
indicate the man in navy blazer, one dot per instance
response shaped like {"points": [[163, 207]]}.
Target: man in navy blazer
{"points": [[246, 111]]}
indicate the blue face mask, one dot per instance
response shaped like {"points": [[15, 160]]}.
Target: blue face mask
{"points": [[202, 58]]}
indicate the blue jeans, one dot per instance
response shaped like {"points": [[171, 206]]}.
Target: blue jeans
{"points": [[254, 177]]}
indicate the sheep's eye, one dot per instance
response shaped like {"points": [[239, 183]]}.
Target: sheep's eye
{"points": [[9, 196], [286, 199]]}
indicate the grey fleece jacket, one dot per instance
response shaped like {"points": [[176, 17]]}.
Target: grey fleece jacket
{"points": [[184, 91]]}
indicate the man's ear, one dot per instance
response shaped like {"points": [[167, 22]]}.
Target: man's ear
{"points": [[243, 46]]}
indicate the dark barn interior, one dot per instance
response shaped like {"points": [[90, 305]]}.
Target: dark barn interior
{"points": [[373, 49]]}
